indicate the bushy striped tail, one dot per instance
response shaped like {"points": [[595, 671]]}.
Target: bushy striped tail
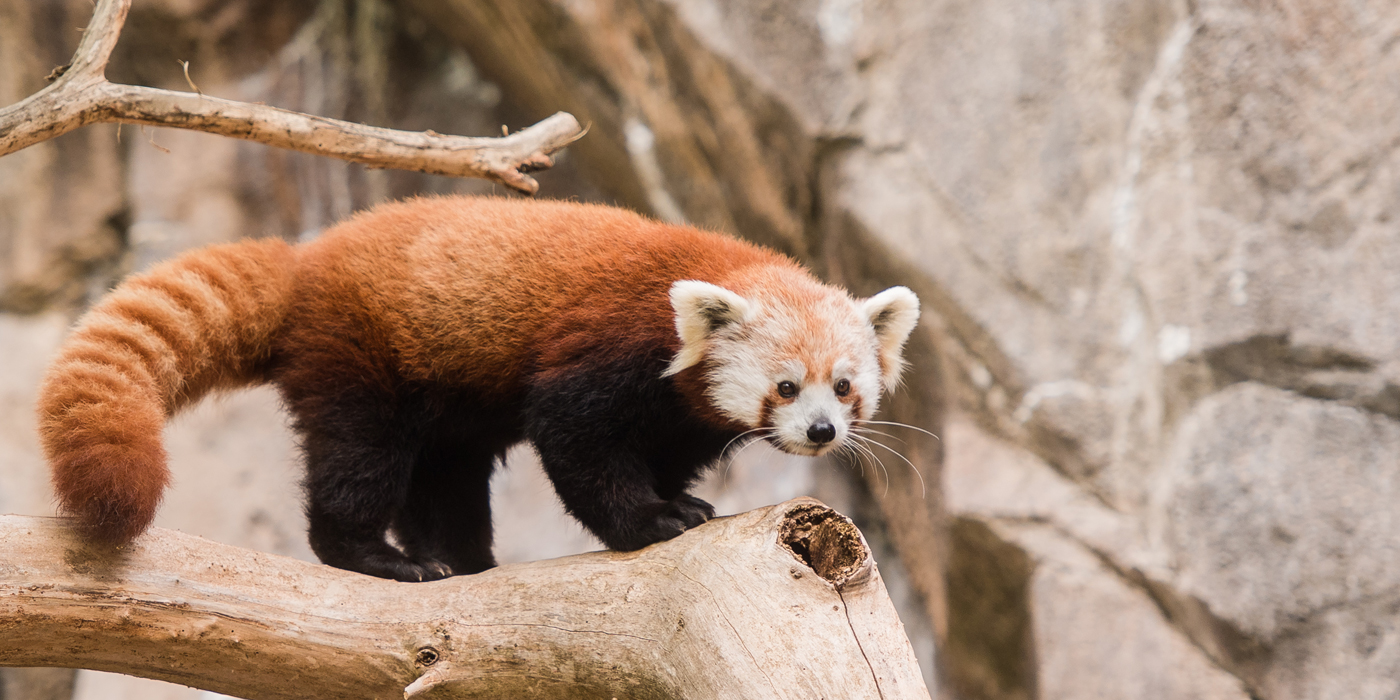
{"points": [[158, 342]]}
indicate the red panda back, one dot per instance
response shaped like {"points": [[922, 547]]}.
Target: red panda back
{"points": [[472, 289]]}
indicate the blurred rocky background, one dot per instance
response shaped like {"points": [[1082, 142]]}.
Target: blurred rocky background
{"points": [[1157, 242]]}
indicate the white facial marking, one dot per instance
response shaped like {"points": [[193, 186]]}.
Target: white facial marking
{"points": [[841, 368], [740, 382], [792, 371]]}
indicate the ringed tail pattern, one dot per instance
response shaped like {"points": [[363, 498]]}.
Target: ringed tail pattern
{"points": [[201, 322]]}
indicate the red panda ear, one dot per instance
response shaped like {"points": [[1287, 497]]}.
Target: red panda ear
{"points": [[893, 314], [701, 309]]}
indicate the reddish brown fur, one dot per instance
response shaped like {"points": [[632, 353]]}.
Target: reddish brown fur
{"points": [[465, 292], [160, 341], [363, 268], [373, 257]]}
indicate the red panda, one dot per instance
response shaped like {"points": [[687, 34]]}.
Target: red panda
{"points": [[414, 343]]}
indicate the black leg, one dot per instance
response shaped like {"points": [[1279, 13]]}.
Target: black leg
{"points": [[621, 446], [611, 492], [447, 514], [360, 450]]}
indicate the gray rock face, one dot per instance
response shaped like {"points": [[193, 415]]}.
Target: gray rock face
{"points": [[1269, 547], [1278, 514], [1351, 651], [1097, 637]]}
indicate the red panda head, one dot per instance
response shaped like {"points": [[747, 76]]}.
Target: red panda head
{"points": [[790, 357]]}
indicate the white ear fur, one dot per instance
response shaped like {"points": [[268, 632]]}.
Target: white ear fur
{"points": [[893, 314], [701, 309]]}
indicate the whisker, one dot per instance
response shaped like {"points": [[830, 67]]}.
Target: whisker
{"points": [[900, 425], [740, 435], [922, 487], [850, 455], [878, 461], [724, 477], [881, 464], [872, 431], [861, 455]]}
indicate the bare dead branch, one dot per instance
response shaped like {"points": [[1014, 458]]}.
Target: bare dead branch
{"points": [[81, 95], [781, 602]]}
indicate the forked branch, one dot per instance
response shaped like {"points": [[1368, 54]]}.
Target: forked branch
{"points": [[81, 95], [781, 602]]}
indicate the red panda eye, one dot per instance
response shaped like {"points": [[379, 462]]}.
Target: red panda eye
{"points": [[843, 387], [787, 390]]}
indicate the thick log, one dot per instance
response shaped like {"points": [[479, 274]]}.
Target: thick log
{"points": [[781, 602]]}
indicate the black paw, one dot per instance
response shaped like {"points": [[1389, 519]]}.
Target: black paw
{"points": [[692, 510], [405, 569], [455, 563], [422, 570], [663, 521]]}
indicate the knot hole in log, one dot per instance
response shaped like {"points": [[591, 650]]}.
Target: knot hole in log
{"points": [[824, 540]]}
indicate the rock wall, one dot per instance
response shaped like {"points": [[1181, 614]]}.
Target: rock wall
{"points": [[1155, 241]]}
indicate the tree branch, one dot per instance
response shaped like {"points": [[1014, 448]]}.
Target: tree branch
{"points": [[781, 602], [82, 95]]}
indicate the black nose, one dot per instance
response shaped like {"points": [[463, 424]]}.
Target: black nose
{"points": [[821, 432]]}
